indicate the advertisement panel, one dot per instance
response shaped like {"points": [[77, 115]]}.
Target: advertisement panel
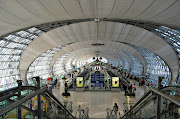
{"points": [[115, 81], [79, 81]]}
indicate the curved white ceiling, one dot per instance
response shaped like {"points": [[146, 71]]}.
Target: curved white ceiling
{"points": [[110, 48], [20, 14], [85, 53], [111, 33]]}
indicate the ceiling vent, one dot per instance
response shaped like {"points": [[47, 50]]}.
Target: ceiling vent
{"points": [[97, 51], [97, 44]]}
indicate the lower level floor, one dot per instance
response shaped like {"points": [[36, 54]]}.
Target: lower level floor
{"points": [[99, 101]]}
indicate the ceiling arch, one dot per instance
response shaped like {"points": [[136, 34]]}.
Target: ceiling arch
{"points": [[98, 32], [117, 22], [109, 48], [84, 55]]}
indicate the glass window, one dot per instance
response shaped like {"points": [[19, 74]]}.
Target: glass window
{"points": [[126, 64], [11, 47], [41, 66], [172, 39], [155, 66], [137, 67]]}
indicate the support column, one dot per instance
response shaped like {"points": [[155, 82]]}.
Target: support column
{"points": [[19, 82], [39, 98]]}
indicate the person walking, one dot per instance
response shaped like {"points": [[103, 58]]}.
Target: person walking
{"points": [[79, 111], [58, 85], [55, 83], [115, 109], [165, 107]]}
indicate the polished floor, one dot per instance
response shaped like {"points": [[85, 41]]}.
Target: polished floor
{"points": [[98, 101]]}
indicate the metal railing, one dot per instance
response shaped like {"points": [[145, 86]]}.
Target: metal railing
{"points": [[19, 102], [43, 92], [47, 105], [151, 95], [171, 88]]}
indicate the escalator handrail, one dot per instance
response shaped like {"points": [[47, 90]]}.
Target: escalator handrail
{"points": [[153, 90], [170, 98], [128, 84], [124, 80], [16, 89], [170, 88], [135, 105], [59, 103], [5, 97], [7, 93], [26, 98], [19, 102], [29, 87], [8, 90]]}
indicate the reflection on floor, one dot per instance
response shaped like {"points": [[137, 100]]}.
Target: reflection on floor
{"points": [[98, 101]]}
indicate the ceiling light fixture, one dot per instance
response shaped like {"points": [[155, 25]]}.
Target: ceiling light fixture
{"points": [[96, 19], [97, 44]]}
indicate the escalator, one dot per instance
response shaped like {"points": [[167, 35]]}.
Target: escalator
{"points": [[11, 95], [38, 103], [31, 106], [31, 102], [156, 104]]}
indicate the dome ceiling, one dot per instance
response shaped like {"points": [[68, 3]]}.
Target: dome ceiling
{"points": [[119, 25], [113, 35]]}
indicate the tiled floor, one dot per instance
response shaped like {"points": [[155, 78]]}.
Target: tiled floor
{"points": [[98, 101]]}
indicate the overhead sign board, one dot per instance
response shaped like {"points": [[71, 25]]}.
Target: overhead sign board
{"points": [[97, 80]]}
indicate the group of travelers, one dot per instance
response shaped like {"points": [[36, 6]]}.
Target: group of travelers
{"points": [[54, 84], [129, 77], [141, 82], [128, 89], [82, 113]]}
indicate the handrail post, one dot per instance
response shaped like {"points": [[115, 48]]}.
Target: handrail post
{"points": [[72, 75], [39, 98], [65, 114], [130, 114], [158, 113], [19, 82]]}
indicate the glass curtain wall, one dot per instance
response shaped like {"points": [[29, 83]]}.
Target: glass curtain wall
{"points": [[11, 48], [80, 63], [155, 66], [120, 62], [126, 64], [116, 63], [172, 36], [74, 62], [68, 65], [137, 67], [41, 65], [59, 66]]}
